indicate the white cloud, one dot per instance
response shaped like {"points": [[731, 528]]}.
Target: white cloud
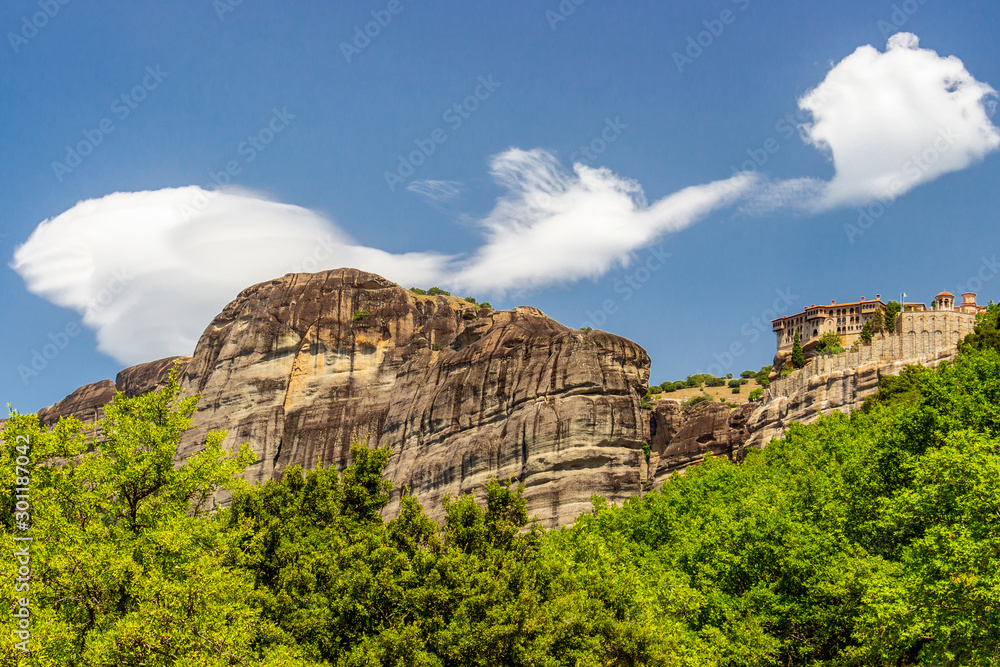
{"points": [[149, 270], [889, 122], [436, 190], [554, 226]]}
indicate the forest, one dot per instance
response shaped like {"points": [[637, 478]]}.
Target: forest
{"points": [[869, 539]]}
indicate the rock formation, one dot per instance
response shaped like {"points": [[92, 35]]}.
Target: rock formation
{"points": [[836, 391], [300, 365], [86, 404], [680, 435]]}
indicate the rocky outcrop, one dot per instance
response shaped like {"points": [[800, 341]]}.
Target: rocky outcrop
{"points": [[837, 391], [152, 375], [301, 365], [681, 435], [86, 404]]}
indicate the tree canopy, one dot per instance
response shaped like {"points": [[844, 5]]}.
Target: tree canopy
{"points": [[870, 539]]}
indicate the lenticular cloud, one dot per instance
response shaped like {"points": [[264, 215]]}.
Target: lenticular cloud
{"points": [[149, 270]]}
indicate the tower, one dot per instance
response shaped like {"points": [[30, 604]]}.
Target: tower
{"points": [[944, 301]]}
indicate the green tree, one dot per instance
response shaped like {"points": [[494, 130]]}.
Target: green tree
{"points": [[867, 333], [798, 357], [830, 343], [892, 309], [127, 560], [877, 321], [986, 334]]}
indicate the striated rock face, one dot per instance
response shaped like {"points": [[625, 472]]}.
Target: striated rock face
{"points": [[679, 436], [300, 365], [152, 375], [86, 404], [842, 391]]}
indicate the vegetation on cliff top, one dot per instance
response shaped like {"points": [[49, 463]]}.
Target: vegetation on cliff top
{"points": [[869, 540]]}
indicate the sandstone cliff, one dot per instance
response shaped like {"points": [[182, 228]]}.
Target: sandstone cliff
{"points": [[805, 399], [300, 365], [680, 435]]}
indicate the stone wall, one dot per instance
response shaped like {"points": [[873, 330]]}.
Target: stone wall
{"points": [[923, 337], [804, 397]]}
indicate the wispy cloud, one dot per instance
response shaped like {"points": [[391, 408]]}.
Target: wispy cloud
{"points": [[436, 190], [554, 226]]}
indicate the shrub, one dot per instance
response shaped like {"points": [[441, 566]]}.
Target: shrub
{"points": [[471, 299], [417, 290], [715, 382], [360, 315], [786, 371], [487, 305], [437, 291], [645, 450], [729, 376], [669, 387], [696, 400], [586, 328], [756, 395], [830, 343], [735, 384], [736, 389], [748, 374]]}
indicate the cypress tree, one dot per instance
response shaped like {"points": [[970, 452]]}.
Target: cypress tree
{"points": [[798, 357]]}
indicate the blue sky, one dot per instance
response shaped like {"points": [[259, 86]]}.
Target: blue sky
{"points": [[304, 120]]}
